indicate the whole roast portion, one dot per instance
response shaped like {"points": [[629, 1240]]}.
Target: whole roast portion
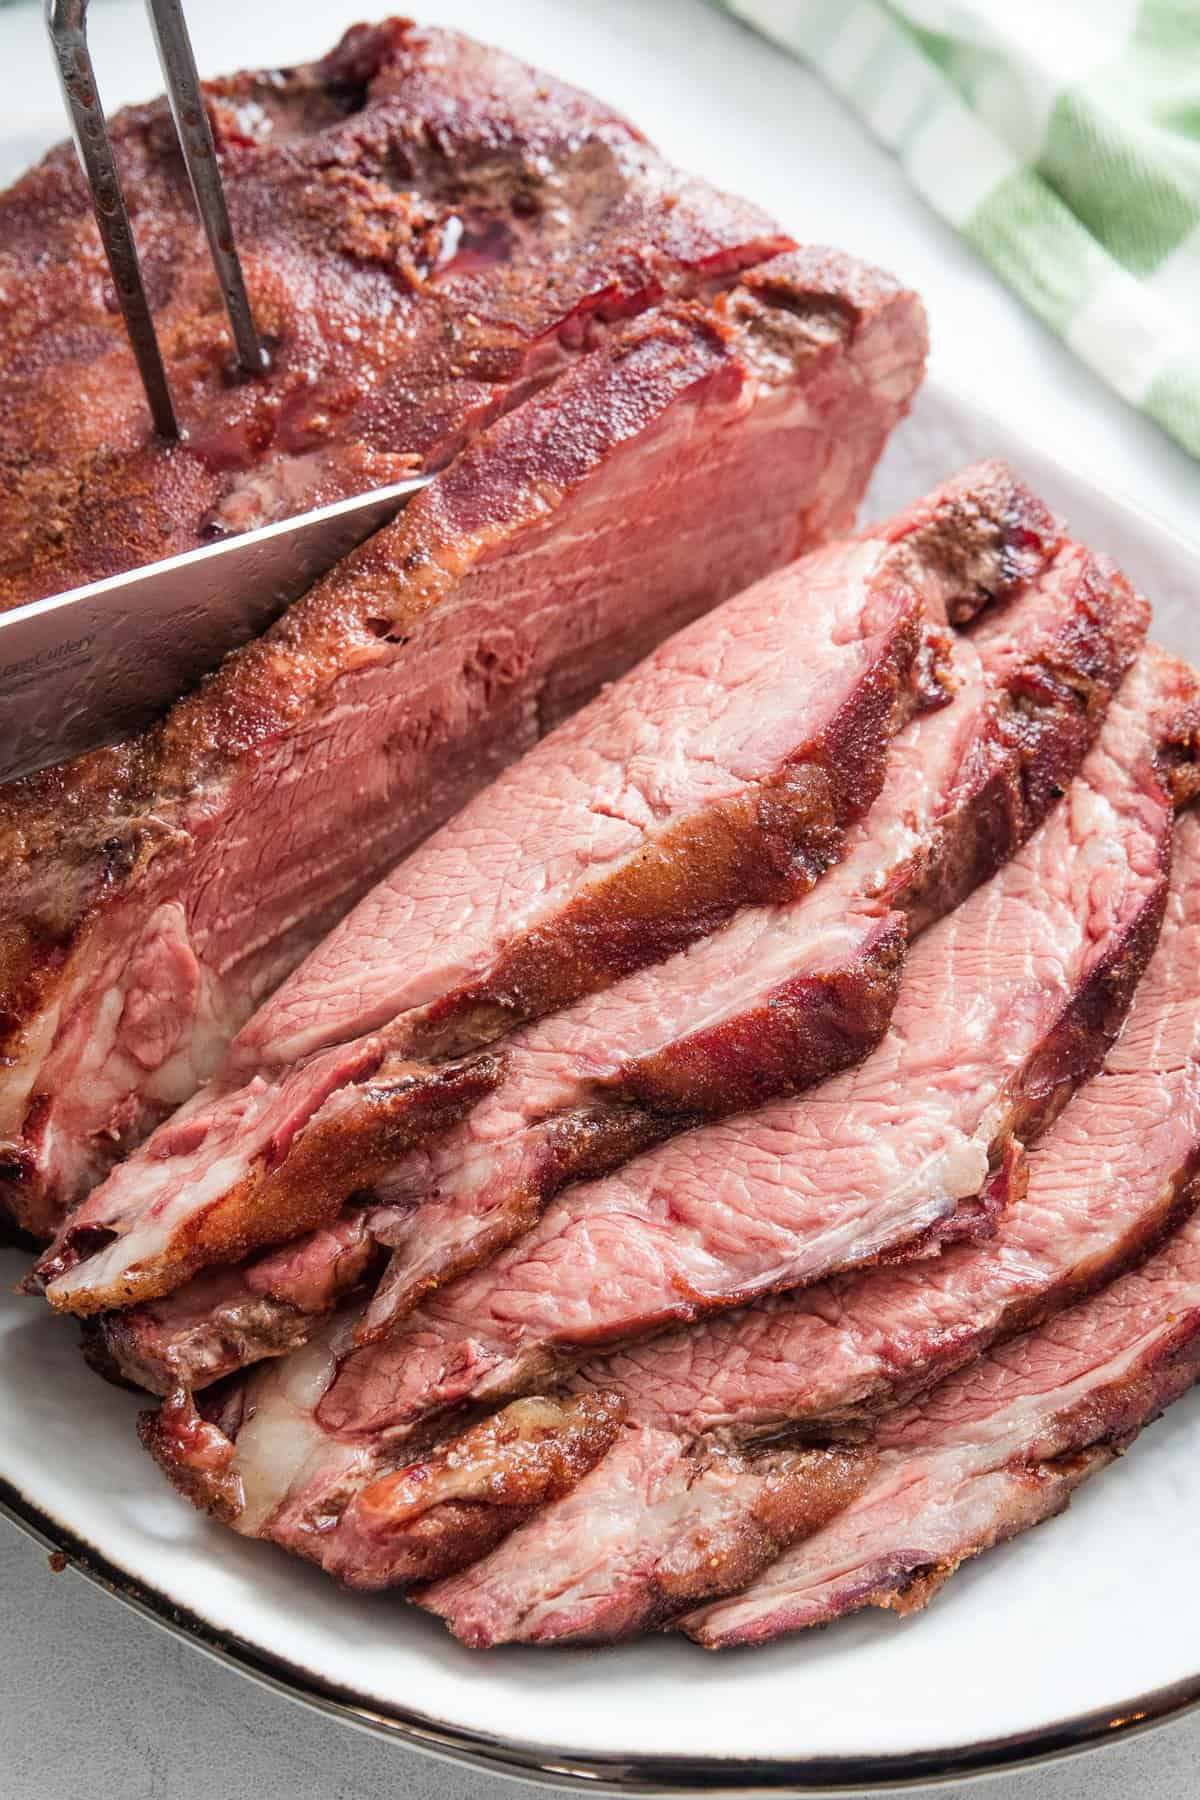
{"points": [[635, 1061]]}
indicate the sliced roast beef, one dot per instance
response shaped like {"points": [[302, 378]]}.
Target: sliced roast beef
{"points": [[451, 1506], [427, 227], [717, 1520], [784, 996], [152, 893], [414, 1521], [1108, 1181], [778, 998], [864, 1341], [1004, 1007], [992, 1451], [374, 1523], [726, 768]]}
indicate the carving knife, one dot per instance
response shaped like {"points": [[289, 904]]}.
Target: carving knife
{"points": [[86, 667]]}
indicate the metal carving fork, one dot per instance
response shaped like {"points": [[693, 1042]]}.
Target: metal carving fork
{"points": [[85, 666], [66, 21]]}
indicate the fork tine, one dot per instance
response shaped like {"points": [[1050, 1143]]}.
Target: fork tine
{"points": [[199, 152], [66, 22]]}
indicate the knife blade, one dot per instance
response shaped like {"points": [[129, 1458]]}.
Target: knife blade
{"points": [[89, 666]]}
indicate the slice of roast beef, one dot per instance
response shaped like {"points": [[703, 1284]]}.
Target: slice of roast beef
{"points": [[727, 767], [775, 1000], [428, 228], [1005, 1006], [718, 1519], [152, 893], [449, 1507], [231, 1316], [1111, 1177], [992, 1451], [1022, 991]]}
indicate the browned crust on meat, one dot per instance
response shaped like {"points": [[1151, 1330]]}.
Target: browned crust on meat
{"points": [[1070, 1054], [803, 1031], [454, 1505], [769, 843], [270, 1205], [379, 592], [239, 1324], [581, 1144], [348, 183], [77, 838], [973, 1221], [900, 1586], [1048, 715], [1054, 703], [988, 537], [1093, 1432], [1175, 1204], [1111, 1416], [449, 1537], [1050, 712], [1047, 1489], [1072, 1051], [800, 1032], [1178, 1200], [801, 1491], [105, 1358], [795, 1492], [116, 1344], [1086, 1030], [195, 1455], [1177, 763], [496, 482]]}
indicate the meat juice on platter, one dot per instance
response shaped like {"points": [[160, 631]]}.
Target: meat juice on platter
{"points": [[633, 1063]]}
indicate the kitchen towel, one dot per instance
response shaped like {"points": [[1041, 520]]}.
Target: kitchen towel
{"points": [[1062, 138]]}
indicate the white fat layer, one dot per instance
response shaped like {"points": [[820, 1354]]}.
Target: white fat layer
{"points": [[282, 1442]]}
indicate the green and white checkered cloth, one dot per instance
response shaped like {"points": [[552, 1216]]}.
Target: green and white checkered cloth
{"points": [[1062, 138]]}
